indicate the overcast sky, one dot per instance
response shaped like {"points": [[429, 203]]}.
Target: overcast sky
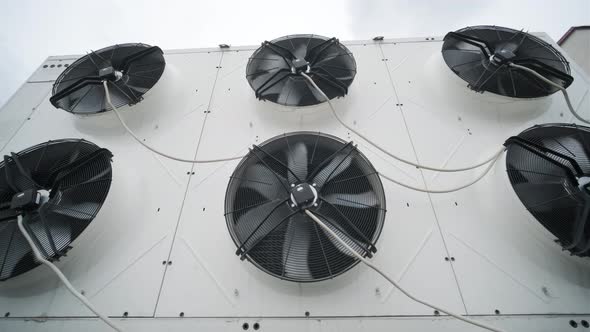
{"points": [[32, 30]]}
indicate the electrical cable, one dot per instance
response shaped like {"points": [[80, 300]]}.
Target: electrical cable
{"points": [[449, 190], [550, 82], [108, 99], [63, 278], [393, 282], [488, 160]]}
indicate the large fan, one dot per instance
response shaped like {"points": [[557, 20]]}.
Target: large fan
{"points": [[58, 187], [130, 69], [549, 168], [481, 56], [273, 70], [276, 181]]}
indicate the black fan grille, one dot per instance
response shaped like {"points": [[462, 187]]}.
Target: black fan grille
{"points": [[79, 87], [276, 235], [480, 56], [274, 76], [548, 167], [76, 174]]}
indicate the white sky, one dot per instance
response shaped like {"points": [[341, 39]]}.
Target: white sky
{"points": [[32, 30]]}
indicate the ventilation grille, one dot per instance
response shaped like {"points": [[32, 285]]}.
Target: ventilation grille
{"points": [[275, 234]]}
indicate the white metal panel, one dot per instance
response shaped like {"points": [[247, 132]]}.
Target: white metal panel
{"points": [[404, 97], [356, 324], [51, 68], [20, 107]]}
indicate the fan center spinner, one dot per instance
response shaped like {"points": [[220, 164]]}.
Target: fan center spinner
{"points": [[299, 65], [304, 195], [110, 74], [504, 55]]}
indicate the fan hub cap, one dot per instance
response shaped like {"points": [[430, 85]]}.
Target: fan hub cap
{"points": [[504, 55], [304, 195], [109, 73], [299, 65]]}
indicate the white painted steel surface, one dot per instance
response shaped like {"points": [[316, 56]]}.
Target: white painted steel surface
{"points": [[404, 97]]}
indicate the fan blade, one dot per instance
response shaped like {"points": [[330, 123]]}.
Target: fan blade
{"points": [[254, 224], [135, 57], [76, 202], [284, 95], [296, 247], [15, 252], [76, 165], [297, 162], [77, 211], [540, 196], [347, 238], [579, 229], [335, 167], [263, 180], [280, 50], [18, 179], [458, 59], [53, 234], [71, 96], [360, 201], [303, 94], [119, 96]]}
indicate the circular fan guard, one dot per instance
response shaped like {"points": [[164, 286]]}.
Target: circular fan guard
{"points": [[273, 70], [70, 178], [130, 70], [276, 181], [549, 169], [481, 56]]}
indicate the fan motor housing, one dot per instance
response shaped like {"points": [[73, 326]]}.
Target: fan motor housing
{"points": [[304, 195], [109, 73], [26, 200]]}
